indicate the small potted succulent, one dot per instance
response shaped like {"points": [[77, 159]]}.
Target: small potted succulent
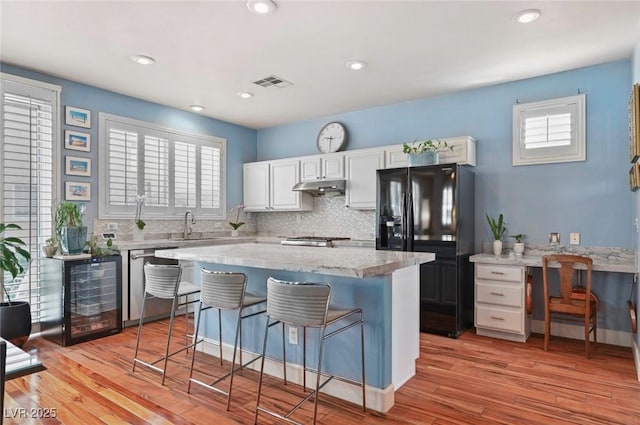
{"points": [[425, 152], [50, 247], [518, 245]]}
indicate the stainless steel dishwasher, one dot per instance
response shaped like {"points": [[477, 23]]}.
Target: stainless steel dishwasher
{"points": [[156, 308]]}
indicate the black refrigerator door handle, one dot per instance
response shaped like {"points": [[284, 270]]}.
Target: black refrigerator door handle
{"points": [[410, 222], [403, 223]]}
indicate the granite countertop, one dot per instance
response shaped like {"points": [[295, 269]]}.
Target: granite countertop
{"points": [[604, 259], [356, 262]]}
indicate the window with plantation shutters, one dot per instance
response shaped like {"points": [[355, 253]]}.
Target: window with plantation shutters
{"points": [[175, 171], [29, 112], [549, 131]]}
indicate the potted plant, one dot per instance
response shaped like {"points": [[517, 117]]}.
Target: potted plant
{"points": [[425, 152], [15, 316], [518, 245], [50, 247], [236, 224], [497, 229], [69, 229]]}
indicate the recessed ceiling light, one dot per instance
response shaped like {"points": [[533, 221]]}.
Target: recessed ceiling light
{"points": [[527, 16], [356, 65], [143, 60], [261, 7], [245, 94], [196, 108]]}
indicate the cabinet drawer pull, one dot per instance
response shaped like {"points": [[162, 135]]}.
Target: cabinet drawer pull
{"points": [[500, 273], [498, 294], [497, 318]]}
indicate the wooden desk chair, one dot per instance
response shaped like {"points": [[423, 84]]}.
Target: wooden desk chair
{"points": [[573, 300]]}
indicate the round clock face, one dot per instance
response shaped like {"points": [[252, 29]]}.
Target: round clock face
{"points": [[332, 137]]}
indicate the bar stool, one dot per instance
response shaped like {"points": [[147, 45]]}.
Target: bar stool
{"points": [[307, 305], [225, 291], [163, 281]]}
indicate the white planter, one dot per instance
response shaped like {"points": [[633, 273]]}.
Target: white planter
{"points": [[138, 235], [235, 232], [497, 248], [518, 248], [423, 158]]}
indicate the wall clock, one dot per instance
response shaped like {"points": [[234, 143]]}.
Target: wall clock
{"points": [[332, 137]]}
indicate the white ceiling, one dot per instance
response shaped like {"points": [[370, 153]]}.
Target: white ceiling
{"points": [[207, 51]]}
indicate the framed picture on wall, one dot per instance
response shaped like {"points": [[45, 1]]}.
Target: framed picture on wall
{"points": [[77, 117], [634, 123], [77, 191], [77, 166], [77, 141]]}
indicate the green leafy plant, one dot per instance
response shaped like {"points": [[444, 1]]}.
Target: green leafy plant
{"points": [[67, 215], [497, 227], [139, 204], [12, 255], [419, 146], [518, 237], [95, 248]]}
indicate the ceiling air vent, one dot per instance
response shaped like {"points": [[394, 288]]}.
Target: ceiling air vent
{"points": [[273, 81]]}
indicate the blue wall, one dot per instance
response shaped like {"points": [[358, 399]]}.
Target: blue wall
{"points": [[536, 199], [591, 197], [241, 141]]}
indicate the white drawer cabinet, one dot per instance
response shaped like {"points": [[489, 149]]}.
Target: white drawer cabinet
{"points": [[500, 302]]}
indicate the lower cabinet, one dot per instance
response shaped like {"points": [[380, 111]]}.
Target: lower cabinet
{"points": [[500, 310]]}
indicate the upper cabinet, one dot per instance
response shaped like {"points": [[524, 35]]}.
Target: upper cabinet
{"points": [[361, 166], [464, 152], [322, 167], [267, 187]]}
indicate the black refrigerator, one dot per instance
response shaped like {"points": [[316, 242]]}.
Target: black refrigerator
{"points": [[431, 209]]}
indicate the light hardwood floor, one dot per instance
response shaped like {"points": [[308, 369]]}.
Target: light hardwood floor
{"points": [[471, 380]]}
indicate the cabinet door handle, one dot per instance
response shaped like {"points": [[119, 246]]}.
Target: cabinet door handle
{"points": [[497, 318], [500, 273], [498, 294]]}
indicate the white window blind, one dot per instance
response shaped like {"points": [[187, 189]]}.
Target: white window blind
{"points": [[28, 153], [175, 171], [549, 131]]}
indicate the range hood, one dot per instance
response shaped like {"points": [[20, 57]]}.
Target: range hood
{"points": [[322, 187]]}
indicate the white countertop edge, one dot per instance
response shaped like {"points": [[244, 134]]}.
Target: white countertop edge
{"points": [[339, 261], [611, 265]]}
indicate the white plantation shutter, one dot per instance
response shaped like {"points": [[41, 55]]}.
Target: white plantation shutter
{"points": [[123, 165], [211, 186], [185, 175], [156, 171], [549, 131], [28, 154], [175, 171]]}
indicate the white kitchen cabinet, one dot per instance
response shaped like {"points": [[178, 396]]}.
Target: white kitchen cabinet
{"points": [[256, 186], [464, 152], [267, 187], [360, 171], [500, 310], [322, 167]]}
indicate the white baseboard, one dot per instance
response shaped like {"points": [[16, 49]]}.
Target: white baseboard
{"points": [[567, 330], [636, 356], [380, 400]]}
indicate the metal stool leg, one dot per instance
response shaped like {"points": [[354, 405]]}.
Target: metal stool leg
{"points": [[195, 340], [166, 356], [220, 334], [233, 361], [135, 353], [264, 352], [284, 356]]}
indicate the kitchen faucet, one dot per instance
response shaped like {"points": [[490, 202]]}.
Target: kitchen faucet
{"points": [[187, 228]]}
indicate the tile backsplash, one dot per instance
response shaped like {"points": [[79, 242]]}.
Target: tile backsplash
{"points": [[330, 217]]}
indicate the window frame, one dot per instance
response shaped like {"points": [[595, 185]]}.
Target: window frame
{"points": [[43, 231], [105, 211], [576, 151]]}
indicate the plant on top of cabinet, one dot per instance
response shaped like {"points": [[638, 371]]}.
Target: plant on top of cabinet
{"points": [[425, 152], [69, 229], [50, 246], [498, 229]]}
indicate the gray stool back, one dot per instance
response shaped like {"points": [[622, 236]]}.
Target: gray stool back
{"points": [[305, 305], [225, 291], [163, 281]]}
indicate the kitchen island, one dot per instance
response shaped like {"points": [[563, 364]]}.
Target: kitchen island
{"points": [[385, 284]]}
